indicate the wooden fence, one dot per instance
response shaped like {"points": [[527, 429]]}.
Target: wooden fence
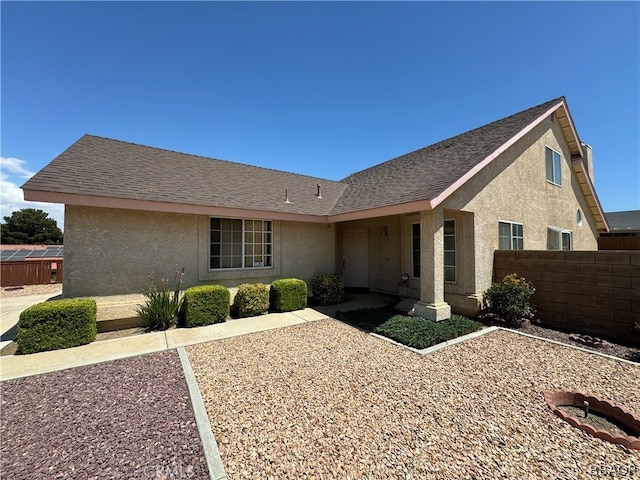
{"points": [[30, 272], [618, 243]]}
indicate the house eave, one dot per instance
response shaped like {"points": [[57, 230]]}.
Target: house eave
{"points": [[588, 190], [168, 207], [399, 209]]}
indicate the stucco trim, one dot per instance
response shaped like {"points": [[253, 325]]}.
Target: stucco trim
{"points": [[146, 205]]}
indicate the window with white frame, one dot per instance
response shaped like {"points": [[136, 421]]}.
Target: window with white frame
{"points": [[510, 236], [450, 251], [240, 243], [553, 166], [415, 250], [559, 239]]}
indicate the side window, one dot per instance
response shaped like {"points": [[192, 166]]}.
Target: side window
{"points": [[553, 164], [559, 239], [415, 250], [450, 251], [510, 236]]}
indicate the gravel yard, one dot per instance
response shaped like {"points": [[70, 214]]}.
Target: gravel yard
{"points": [[130, 418], [45, 289], [324, 400]]}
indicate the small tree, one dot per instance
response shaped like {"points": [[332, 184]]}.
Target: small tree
{"points": [[30, 226]]}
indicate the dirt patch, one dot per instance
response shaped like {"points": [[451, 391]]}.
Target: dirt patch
{"points": [[597, 421]]}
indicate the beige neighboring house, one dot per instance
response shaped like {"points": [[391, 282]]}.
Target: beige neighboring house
{"points": [[434, 216]]}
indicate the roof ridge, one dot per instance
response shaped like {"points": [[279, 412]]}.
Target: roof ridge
{"points": [[209, 158]]}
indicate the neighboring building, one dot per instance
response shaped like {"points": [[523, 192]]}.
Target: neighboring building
{"points": [[623, 224], [30, 264], [624, 231], [436, 214]]}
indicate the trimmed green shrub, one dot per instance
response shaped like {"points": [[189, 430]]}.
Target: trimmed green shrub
{"points": [[288, 294], [57, 324], [328, 289], [510, 300], [204, 305], [414, 332], [419, 333], [251, 300], [161, 310]]}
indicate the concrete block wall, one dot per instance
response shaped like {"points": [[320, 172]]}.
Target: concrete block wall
{"points": [[595, 292]]}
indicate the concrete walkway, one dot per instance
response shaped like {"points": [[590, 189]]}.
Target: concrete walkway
{"points": [[16, 366]]}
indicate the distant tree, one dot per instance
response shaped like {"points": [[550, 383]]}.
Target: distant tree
{"points": [[30, 226]]}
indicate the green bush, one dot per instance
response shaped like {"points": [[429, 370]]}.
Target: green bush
{"points": [[251, 300], [419, 333], [57, 324], [204, 305], [415, 332], [163, 305], [288, 294], [510, 300], [328, 289]]}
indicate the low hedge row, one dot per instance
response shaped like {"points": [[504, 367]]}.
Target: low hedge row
{"points": [[72, 322], [57, 324]]}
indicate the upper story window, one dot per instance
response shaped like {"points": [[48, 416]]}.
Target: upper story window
{"points": [[510, 236], [559, 239], [240, 243], [450, 251], [553, 166]]}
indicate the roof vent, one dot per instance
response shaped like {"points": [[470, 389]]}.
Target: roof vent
{"points": [[286, 196], [319, 194]]}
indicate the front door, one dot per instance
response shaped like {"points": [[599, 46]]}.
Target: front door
{"points": [[355, 257]]}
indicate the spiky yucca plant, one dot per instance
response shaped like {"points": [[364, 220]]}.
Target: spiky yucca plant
{"points": [[163, 305]]}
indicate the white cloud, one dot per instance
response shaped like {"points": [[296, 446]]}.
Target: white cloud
{"points": [[15, 165], [12, 198]]}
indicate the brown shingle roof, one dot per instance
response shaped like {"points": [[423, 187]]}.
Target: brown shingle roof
{"points": [[426, 173], [102, 167]]}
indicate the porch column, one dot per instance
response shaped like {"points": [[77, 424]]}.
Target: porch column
{"points": [[432, 305]]}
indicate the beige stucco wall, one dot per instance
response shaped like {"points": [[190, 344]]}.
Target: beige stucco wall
{"points": [[514, 188], [112, 251]]}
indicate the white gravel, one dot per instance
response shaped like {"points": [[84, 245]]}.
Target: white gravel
{"points": [[323, 400]]}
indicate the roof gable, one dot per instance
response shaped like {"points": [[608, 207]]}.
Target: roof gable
{"points": [[427, 173]]}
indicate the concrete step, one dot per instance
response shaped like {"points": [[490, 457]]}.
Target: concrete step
{"points": [[118, 312]]}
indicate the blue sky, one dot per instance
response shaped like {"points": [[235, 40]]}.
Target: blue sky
{"points": [[322, 89]]}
